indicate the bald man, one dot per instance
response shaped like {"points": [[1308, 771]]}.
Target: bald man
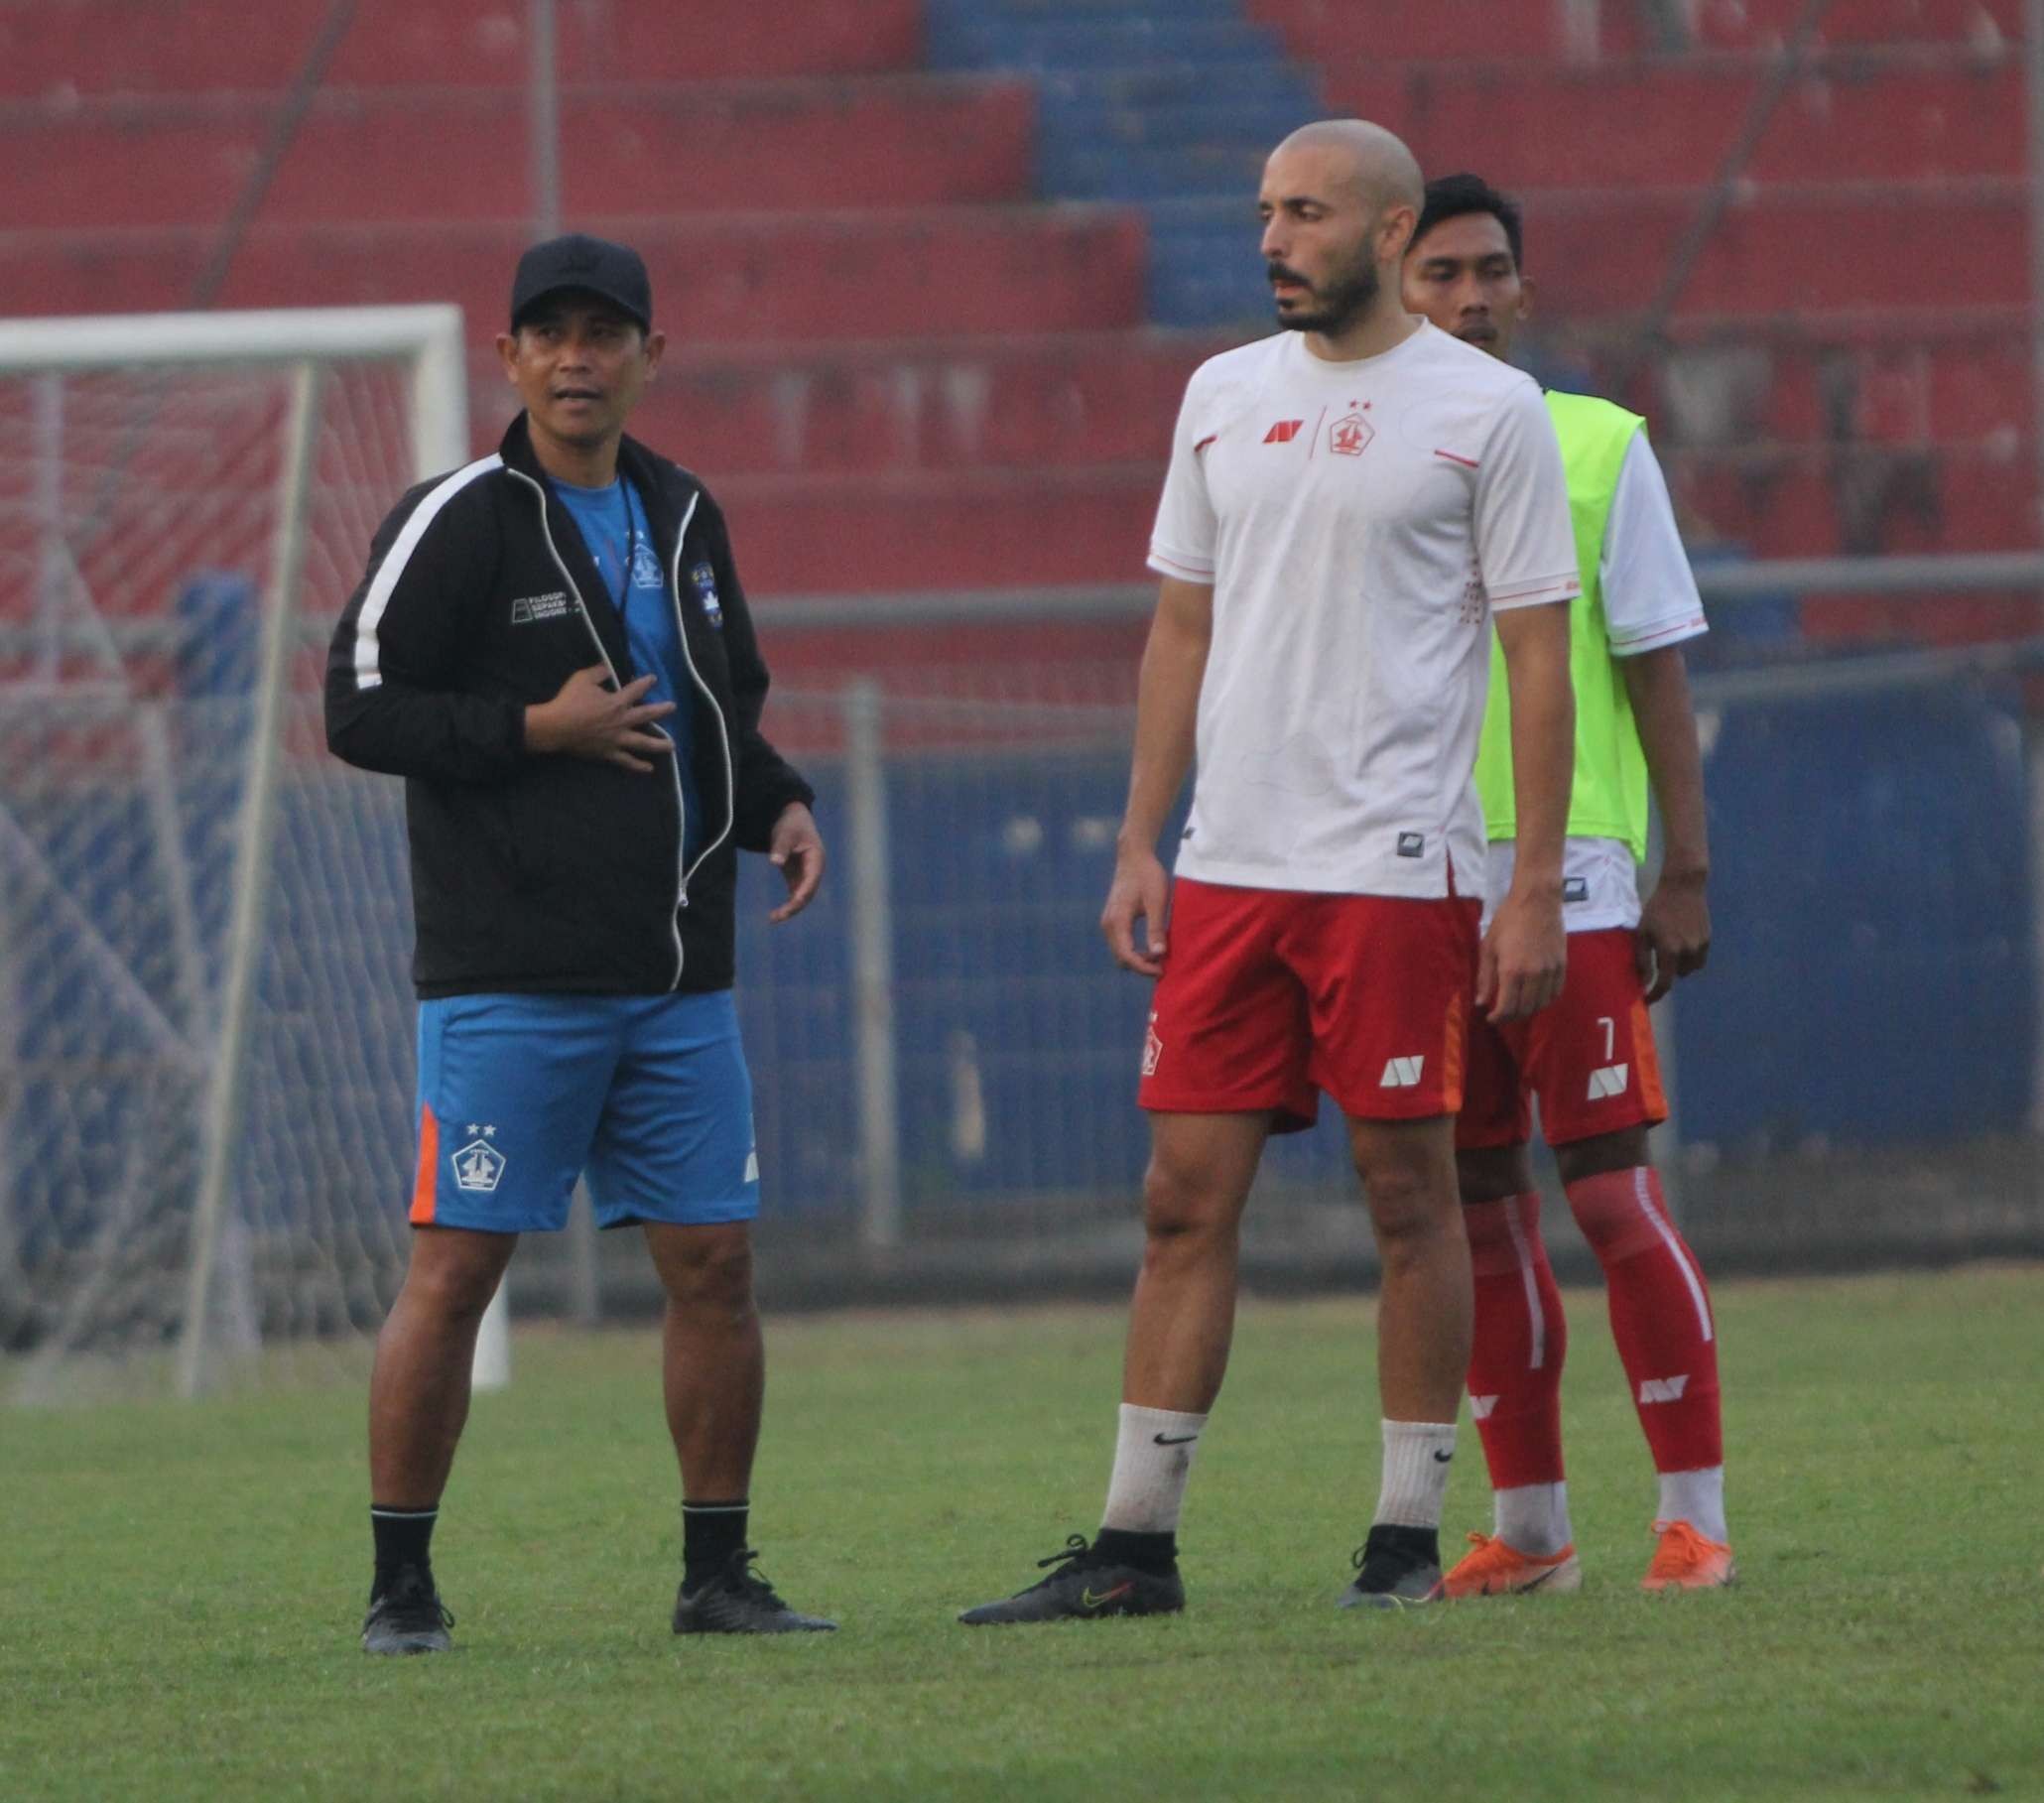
{"points": [[1351, 503]]}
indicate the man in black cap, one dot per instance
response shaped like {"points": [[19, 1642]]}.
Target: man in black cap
{"points": [[551, 647]]}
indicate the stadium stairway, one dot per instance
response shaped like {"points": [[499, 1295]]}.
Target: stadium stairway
{"points": [[935, 270], [1170, 105]]}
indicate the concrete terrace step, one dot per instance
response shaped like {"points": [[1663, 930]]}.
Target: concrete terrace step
{"points": [[1818, 502], [1672, 123], [1603, 253], [1079, 93], [728, 278], [978, 37], [1019, 403], [1384, 31], [1223, 169], [393, 154], [815, 535], [1764, 23], [1394, 30], [1964, 390], [58, 48]]}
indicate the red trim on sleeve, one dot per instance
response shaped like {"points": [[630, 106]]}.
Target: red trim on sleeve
{"points": [[1693, 627]]}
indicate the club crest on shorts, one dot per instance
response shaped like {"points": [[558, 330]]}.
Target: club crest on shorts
{"points": [[704, 580], [478, 1166], [1153, 1048]]}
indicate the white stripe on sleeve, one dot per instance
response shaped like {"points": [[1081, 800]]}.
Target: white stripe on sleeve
{"points": [[368, 674]]}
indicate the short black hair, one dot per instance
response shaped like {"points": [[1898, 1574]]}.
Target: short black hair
{"points": [[1450, 197]]}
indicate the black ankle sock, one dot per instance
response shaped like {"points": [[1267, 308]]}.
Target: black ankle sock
{"points": [[404, 1536], [710, 1533], [1157, 1553], [1422, 1545]]}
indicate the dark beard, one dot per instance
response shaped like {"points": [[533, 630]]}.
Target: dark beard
{"points": [[1339, 306]]}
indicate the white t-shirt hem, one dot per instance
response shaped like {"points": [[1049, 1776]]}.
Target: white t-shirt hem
{"points": [[1424, 882], [1599, 872]]}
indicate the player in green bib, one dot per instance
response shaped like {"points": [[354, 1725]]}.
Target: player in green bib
{"points": [[1588, 1059]]}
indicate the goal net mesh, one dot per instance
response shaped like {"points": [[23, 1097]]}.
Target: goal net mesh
{"points": [[140, 515]]}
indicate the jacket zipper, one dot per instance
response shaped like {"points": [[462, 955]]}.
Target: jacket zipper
{"points": [[595, 638], [723, 726]]}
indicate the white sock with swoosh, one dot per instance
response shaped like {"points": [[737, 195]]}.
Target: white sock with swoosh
{"points": [[1153, 1459], [1416, 1462]]}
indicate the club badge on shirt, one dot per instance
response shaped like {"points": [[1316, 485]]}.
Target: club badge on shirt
{"points": [[704, 579]]}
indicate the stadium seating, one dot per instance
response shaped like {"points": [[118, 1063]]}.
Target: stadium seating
{"points": [[928, 261]]}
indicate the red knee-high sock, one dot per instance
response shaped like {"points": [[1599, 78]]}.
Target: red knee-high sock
{"points": [[1660, 1315], [1515, 1365]]}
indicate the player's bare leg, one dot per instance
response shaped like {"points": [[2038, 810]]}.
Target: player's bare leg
{"points": [[1182, 1322], [1180, 1328], [1424, 1313], [419, 1389], [713, 1357], [1662, 1320], [713, 1380], [419, 1397]]}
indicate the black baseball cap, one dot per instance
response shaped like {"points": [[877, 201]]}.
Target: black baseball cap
{"points": [[593, 265]]}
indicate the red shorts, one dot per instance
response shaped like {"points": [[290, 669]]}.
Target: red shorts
{"points": [[1588, 1056], [1270, 996]]}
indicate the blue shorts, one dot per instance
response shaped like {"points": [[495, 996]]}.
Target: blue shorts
{"points": [[520, 1094]]}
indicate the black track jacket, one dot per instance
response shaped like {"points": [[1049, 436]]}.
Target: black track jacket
{"points": [[551, 873]]}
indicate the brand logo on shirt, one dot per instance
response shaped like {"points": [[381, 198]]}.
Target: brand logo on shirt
{"points": [[1611, 1082], [1351, 435], [1412, 845], [479, 1166], [703, 580], [1575, 888], [1402, 1073], [531, 607], [1284, 432]]}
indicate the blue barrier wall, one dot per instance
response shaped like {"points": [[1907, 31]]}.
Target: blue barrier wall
{"points": [[1873, 980]]}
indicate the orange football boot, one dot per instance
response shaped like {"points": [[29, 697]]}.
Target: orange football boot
{"points": [[1496, 1569], [1685, 1560]]}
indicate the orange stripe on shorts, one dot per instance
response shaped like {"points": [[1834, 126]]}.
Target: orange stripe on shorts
{"points": [[1456, 1052], [1646, 1056], [428, 1180]]}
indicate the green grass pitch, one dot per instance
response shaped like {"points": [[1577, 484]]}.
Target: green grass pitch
{"points": [[181, 1588]]}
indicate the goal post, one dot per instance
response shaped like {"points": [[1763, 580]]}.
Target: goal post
{"points": [[204, 1011]]}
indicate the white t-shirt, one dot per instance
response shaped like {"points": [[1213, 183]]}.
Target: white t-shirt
{"points": [[1650, 601], [1358, 522]]}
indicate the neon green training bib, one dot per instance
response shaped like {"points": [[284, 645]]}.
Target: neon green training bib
{"points": [[1609, 800]]}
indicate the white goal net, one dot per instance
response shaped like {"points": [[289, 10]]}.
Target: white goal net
{"points": [[204, 923]]}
